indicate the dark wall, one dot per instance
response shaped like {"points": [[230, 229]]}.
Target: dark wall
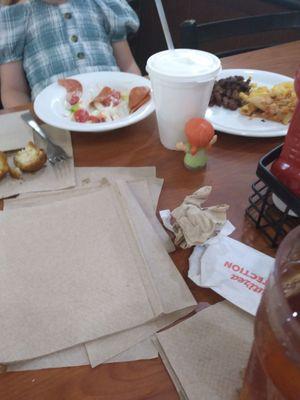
{"points": [[150, 37]]}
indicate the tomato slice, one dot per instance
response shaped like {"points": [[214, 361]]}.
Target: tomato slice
{"points": [[96, 119], [81, 115]]}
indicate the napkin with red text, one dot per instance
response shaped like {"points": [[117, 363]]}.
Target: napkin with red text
{"points": [[236, 271]]}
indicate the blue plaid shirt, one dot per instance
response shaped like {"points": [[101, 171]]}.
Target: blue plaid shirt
{"points": [[56, 41]]}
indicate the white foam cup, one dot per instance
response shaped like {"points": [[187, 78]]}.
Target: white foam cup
{"points": [[182, 81]]}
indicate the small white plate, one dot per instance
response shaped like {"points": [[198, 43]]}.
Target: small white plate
{"points": [[49, 105], [237, 124]]}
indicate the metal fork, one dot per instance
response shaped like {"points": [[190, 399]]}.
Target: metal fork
{"points": [[54, 152]]}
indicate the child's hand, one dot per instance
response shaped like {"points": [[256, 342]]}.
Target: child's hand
{"points": [[124, 57]]}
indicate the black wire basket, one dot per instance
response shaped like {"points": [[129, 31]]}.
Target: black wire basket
{"points": [[273, 222]]}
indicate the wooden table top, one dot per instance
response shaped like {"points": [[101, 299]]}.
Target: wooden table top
{"points": [[230, 171]]}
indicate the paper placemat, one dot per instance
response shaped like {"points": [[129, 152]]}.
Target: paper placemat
{"points": [[50, 177], [14, 132], [208, 352]]}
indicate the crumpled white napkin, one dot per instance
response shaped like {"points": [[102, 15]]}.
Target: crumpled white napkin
{"points": [[193, 224]]}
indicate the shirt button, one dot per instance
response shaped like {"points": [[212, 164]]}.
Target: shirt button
{"points": [[68, 15], [81, 56], [74, 38]]}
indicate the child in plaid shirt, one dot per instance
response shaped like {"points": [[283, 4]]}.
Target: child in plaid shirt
{"points": [[44, 40]]}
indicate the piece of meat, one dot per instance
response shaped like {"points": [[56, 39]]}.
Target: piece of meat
{"points": [[107, 97], [137, 97], [71, 85], [74, 89]]}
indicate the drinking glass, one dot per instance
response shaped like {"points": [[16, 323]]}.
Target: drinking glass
{"points": [[273, 371]]}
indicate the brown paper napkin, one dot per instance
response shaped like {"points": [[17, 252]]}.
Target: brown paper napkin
{"points": [[76, 356], [206, 354], [14, 132], [56, 271], [146, 191], [50, 177], [103, 349], [175, 298]]}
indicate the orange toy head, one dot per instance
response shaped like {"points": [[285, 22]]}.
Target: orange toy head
{"points": [[199, 133]]}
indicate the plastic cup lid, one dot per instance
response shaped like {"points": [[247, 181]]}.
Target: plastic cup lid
{"points": [[184, 65]]}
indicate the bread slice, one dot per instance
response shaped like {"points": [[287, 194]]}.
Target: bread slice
{"points": [[15, 173], [4, 168], [30, 159]]}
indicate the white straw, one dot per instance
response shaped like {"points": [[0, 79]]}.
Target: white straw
{"points": [[164, 23]]}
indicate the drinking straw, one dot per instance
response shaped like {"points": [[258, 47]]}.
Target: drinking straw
{"points": [[164, 24]]}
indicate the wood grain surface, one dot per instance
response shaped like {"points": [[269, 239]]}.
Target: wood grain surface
{"points": [[230, 171]]}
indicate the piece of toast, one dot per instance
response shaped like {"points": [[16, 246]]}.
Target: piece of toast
{"points": [[30, 159], [4, 168], [15, 173]]}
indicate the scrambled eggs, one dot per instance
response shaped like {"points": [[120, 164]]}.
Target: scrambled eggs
{"points": [[276, 104]]}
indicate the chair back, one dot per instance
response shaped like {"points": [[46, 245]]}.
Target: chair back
{"points": [[288, 4], [203, 36]]}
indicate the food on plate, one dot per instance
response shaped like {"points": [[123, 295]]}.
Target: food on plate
{"points": [[226, 92], [108, 105], [107, 97], [235, 92], [30, 159], [275, 104], [4, 167], [137, 97], [73, 88], [15, 172]]}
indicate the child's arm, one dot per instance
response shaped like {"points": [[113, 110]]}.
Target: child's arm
{"points": [[14, 87], [125, 58]]}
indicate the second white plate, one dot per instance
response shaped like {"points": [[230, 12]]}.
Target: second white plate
{"points": [[234, 122]]}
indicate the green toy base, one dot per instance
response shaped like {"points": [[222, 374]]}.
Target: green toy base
{"points": [[197, 161]]}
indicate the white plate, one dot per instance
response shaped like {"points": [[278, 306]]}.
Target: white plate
{"points": [[237, 124], [49, 105]]}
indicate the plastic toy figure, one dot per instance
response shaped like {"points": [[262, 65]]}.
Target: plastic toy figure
{"points": [[201, 136]]}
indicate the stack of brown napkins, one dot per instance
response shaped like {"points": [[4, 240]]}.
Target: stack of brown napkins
{"points": [[85, 275], [206, 354]]}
